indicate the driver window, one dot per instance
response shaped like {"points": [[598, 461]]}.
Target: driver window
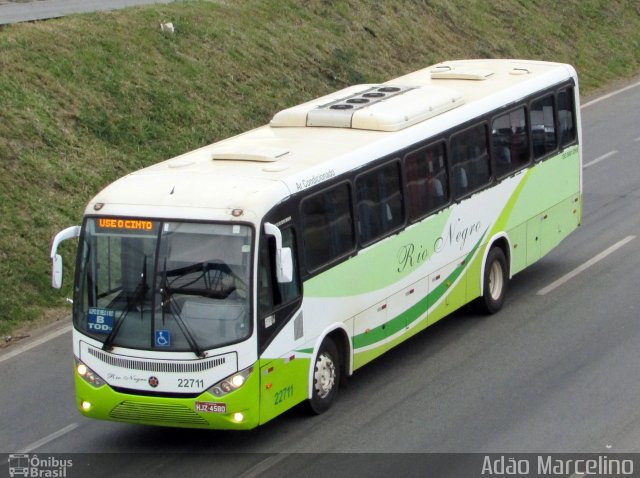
{"points": [[273, 297]]}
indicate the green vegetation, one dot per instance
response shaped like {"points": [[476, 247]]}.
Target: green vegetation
{"points": [[88, 98]]}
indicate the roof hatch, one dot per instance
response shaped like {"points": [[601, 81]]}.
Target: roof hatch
{"points": [[250, 153], [372, 107], [446, 72]]}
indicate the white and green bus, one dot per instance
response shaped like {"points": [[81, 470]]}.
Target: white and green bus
{"points": [[222, 287]]}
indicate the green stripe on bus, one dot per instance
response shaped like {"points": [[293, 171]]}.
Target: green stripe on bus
{"points": [[413, 313]]}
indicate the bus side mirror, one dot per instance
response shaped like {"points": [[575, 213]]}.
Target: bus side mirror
{"points": [[284, 257], [57, 270], [284, 271]]}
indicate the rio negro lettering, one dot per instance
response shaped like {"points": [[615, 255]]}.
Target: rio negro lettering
{"points": [[456, 235], [412, 255]]}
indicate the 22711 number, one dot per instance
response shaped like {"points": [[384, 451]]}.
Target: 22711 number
{"points": [[282, 395], [190, 383]]}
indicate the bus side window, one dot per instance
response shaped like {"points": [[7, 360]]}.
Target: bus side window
{"points": [[426, 180], [379, 202], [510, 141], [327, 226], [265, 287], [470, 160], [274, 297], [288, 291], [543, 130], [566, 117]]}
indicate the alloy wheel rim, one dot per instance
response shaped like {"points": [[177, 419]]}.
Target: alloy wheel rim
{"points": [[325, 376], [496, 280]]}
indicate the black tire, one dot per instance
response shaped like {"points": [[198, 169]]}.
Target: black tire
{"points": [[326, 377], [495, 283]]}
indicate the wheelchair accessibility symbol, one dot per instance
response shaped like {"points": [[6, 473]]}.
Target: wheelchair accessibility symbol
{"points": [[163, 338]]}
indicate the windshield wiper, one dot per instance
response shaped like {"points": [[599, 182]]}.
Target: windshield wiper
{"points": [[167, 299], [136, 298]]}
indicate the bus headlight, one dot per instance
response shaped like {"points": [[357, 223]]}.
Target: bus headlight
{"points": [[238, 417], [88, 375], [231, 383]]}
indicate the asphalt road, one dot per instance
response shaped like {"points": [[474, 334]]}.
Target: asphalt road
{"points": [[15, 11], [555, 371]]}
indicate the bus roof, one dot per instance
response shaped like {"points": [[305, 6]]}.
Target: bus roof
{"points": [[308, 144]]}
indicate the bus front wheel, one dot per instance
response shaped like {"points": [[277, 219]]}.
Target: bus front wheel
{"points": [[326, 377], [495, 282]]}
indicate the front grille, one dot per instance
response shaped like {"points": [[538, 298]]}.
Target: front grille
{"points": [[152, 366], [151, 393], [157, 413]]}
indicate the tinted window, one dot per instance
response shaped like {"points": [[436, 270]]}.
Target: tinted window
{"points": [[289, 291], [566, 117], [327, 226], [426, 179], [379, 202], [272, 295], [510, 141], [543, 130], [469, 160]]}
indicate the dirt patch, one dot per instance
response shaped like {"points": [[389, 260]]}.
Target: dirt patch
{"points": [[49, 319]]}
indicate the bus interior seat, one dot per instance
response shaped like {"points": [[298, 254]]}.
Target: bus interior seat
{"points": [[460, 178], [564, 120], [436, 189]]}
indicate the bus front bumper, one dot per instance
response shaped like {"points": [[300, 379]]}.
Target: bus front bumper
{"points": [[237, 410]]}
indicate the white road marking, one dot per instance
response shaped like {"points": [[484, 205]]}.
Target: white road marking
{"points": [[585, 266], [262, 466], [28, 346], [609, 95], [43, 441], [600, 158]]}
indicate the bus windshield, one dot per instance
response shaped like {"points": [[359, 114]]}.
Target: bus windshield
{"points": [[161, 285]]}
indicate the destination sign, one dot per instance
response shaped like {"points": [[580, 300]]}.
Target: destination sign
{"points": [[126, 224]]}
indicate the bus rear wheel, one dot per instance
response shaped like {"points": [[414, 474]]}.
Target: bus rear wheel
{"points": [[326, 377], [495, 282]]}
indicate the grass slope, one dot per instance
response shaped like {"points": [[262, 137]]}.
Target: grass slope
{"points": [[88, 98]]}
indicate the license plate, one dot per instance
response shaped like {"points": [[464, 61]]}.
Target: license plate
{"points": [[211, 407]]}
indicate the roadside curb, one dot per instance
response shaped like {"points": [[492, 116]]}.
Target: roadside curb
{"points": [[37, 337]]}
